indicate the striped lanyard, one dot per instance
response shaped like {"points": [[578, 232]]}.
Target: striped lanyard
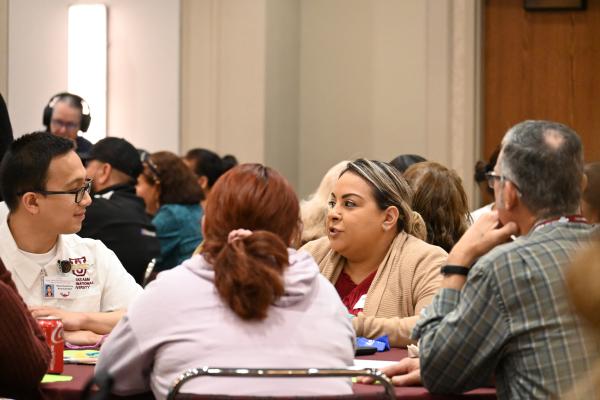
{"points": [[565, 219]]}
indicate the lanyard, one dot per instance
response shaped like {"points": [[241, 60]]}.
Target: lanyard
{"points": [[560, 220]]}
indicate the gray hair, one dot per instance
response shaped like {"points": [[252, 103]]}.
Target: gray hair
{"points": [[545, 160], [389, 189]]}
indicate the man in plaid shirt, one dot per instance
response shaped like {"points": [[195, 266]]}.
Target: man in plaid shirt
{"points": [[503, 310]]}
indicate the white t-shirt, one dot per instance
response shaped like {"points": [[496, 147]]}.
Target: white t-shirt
{"points": [[96, 281], [3, 210], [480, 211]]}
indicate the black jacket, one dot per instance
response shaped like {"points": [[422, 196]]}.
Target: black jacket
{"points": [[118, 218]]}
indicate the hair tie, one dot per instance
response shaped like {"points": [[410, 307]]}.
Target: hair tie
{"points": [[237, 234]]}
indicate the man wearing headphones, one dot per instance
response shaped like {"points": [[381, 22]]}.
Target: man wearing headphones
{"points": [[65, 115]]}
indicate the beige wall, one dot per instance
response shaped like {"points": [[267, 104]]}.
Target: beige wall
{"points": [[317, 81], [302, 84], [223, 77], [4, 48], [282, 87], [384, 78], [239, 67]]}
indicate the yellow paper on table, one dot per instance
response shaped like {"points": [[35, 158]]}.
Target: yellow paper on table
{"points": [[81, 356], [51, 378]]}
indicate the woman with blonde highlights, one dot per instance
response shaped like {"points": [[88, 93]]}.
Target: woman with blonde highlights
{"points": [[314, 210], [247, 300], [383, 273]]}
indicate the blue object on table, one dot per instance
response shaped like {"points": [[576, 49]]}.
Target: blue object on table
{"points": [[382, 343]]}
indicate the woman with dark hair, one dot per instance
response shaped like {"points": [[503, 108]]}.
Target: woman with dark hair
{"points": [[247, 301], [441, 200], [403, 161], [172, 197], [383, 273], [487, 193], [229, 161]]}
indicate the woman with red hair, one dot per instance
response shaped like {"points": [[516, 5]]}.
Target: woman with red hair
{"points": [[247, 300]]}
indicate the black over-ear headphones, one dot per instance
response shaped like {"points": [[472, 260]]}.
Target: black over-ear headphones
{"points": [[86, 118]]}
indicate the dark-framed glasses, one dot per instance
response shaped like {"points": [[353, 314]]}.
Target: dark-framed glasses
{"points": [[70, 126], [79, 193]]}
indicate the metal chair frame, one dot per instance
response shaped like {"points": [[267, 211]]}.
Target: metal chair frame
{"points": [[148, 272], [191, 373]]}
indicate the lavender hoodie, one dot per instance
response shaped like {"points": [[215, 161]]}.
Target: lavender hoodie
{"points": [[180, 322]]}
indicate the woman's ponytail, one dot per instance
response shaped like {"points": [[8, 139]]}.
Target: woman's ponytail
{"points": [[249, 273]]}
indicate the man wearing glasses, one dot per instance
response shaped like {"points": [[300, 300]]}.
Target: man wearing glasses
{"points": [[503, 309], [65, 115], [45, 188]]}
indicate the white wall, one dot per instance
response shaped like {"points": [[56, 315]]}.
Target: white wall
{"points": [[143, 67]]}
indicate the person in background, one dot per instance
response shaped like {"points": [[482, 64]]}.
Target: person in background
{"points": [[207, 166], [503, 309], [441, 200], [383, 274], [117, 216], [6, 138], [25, 356], [590, 200], [6, 133], [44, 184], [229, 161], [172, 196], [403, 161], [65, 115], [314, 210], [583, 284], [247, 301], [487, 193]]}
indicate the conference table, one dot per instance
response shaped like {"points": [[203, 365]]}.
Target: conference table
{"points": [[83, 373]]}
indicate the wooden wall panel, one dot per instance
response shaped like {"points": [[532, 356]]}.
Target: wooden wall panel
{"points": [[542, 65]]}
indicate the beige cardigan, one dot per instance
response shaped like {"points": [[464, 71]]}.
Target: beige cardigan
{"points": [[406, 281]]}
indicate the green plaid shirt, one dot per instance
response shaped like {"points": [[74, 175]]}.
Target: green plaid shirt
{"points": [[512, 319]]}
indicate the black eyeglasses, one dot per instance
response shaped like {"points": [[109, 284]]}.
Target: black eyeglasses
{"points": [[492, 177], [70, 126], [79, 193]]}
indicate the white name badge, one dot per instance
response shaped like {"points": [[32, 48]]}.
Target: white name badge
{"points": [[360, 304], [80, 282], [58, 287]]}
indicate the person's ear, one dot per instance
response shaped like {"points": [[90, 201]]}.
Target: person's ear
{"points": [[390, 220], [104, 175], [512, 196], [203, 182], [29, 201], [584, 183]]}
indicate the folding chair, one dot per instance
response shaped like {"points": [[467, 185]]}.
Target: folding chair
{"points": [[375, 374]]}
